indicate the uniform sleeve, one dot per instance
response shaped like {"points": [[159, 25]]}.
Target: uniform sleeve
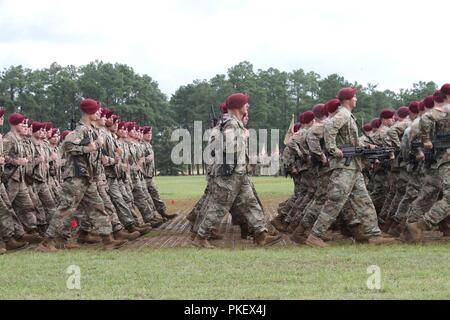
{"points": [[313, 140], [393, 137], [331, 131], [230, 132], [425, 126], [72, 145], [9, 150]]}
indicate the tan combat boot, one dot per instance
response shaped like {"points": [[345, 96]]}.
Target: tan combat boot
{"points": [[88, 238], [32, 238], [395, 229], [215, 235], [291, 228], [263, 239], [155, 222], [142, 230], [2, 248], [277, 222], [48, 245], [13, 244], [416, 230], [110, 244], [123, 235], [168, 216], [315, 241], [201, 242], [62, 244], [444, 227], [299, 236], [379, 240]]}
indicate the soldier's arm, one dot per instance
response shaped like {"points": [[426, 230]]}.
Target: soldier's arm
{"points": [[71, 144], [393, 137], [425, 126], [331, 131], [313, 140], [9, 151]]}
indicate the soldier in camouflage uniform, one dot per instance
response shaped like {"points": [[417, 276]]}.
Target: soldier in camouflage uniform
{"points": [[347, 182], [231, 183], [148, 172], [10, 227], [399, 176], [16, 160], [79, 187], [55, 166], [434, 123]]}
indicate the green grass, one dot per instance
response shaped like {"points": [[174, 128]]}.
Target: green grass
{"points": [[187, 187], [408, 272], [338, 272]]}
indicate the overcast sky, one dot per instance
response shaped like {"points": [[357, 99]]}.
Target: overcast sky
{"points": [[392, 43]]}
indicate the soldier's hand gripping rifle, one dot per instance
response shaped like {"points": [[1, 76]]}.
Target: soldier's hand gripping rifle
{"points": [[372, 154], [440, 142]]}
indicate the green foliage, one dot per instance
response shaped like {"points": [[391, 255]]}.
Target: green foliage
{"points": [[54, 93]]}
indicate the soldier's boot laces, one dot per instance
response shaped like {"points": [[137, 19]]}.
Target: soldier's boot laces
{"points": [[123, 235], [263, 239], [13, 244], [110, 244], [47, 245], [416, 230], [201, 242], [299, 236], [315, 241]]}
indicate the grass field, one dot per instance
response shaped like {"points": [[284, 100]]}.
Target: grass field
{"points": [[338, 272]]}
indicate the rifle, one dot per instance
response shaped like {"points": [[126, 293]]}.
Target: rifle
{"points": [[440, 142], [213, 120], [350, 152]]}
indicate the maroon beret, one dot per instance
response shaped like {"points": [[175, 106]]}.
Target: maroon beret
{"points": [[346, 93], [445, 89], [223, 107], [375, 123], [131, 125], [332, 105], [2, 111], [37, 126], [367, 127], [297, 126], [237, 100], [422, 105], [403, 112], [438, 97], [307, 117], [55, 132], [114, 118], [428, 102], [16, 119], [146, 129], [414, 107], [89, 106], [387, 114], [122, 125], [106, 113], [320, 111], [29, 122], [48, 125], [64, 134]]}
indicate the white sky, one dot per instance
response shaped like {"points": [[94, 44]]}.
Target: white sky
{"points": [[390, 42]]}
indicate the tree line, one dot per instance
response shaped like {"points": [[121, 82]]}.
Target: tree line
{"points": [[54, 93]]}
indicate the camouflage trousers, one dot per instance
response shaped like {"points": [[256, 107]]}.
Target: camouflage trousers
{"points": [[389, 193], [142, 201], [85, 225], [347, 186], [197, 213], [414, 179], [22, 204], [122, 207], [380, 186], [398, 191], [55, 188], [226, 192], [309, 180], [82, 193], [430, 189], [41, 216], [10, 225], [153, 191], [299, 192], [441, 209], [312, 210], [45, 200], [126, 192]]}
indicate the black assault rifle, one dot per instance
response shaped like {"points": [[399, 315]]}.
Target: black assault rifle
{"points": [[378, 153]]}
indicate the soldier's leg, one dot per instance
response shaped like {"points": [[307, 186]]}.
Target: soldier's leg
{"points": [[341, 185], [123, 211], [411, 193], [22, 205], [47, 200], [152, 189], [379, 189], [73, 190], [6, 219], [441, 209], [401, 184], [393, 177], [429, 193], [140, 200], [224, 191], [109, 207]]}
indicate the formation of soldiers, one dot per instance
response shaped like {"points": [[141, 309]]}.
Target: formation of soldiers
{"points": [[100, 174], [395, 176]]}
